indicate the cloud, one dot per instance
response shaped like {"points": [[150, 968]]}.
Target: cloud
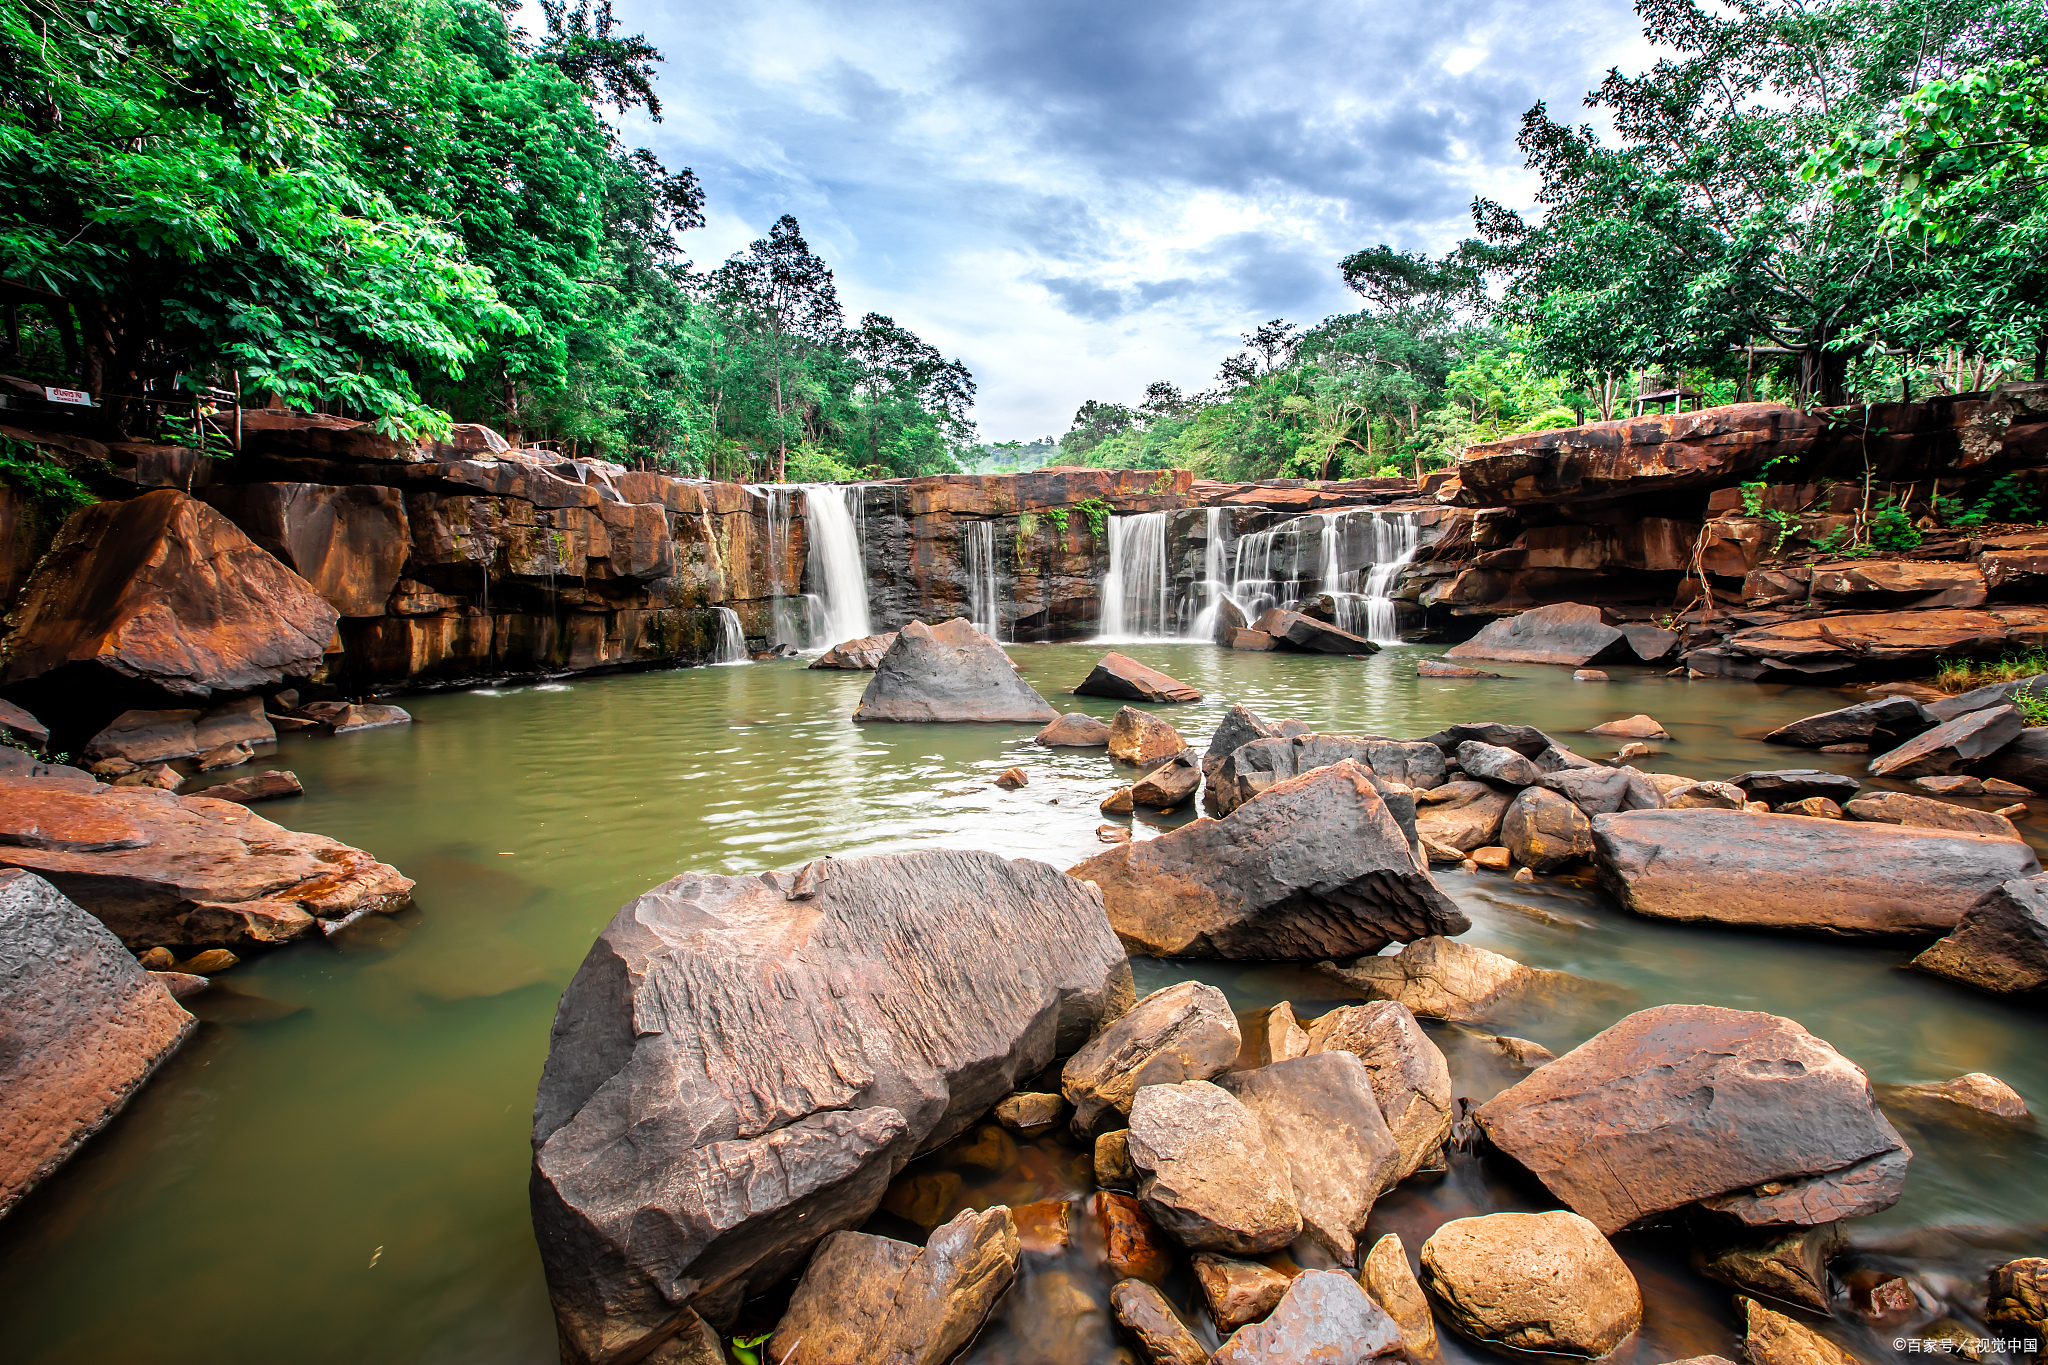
{"points": [[1078, 198]]}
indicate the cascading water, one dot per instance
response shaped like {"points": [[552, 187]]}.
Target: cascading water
{"points": [[732, 643], [984, 602], [1137, 593], [838, 610], [1378, 545], [1267, 567], [1214, 587], [1403, 537]]}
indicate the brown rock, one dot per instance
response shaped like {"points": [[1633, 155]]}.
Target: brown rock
{"points": [[1237, 1291], [1590, 675], [910, 992], [1119, 802], [1814, 807], [1113, 1168], [1047, 1225], [343, 718], [1315, 867], [1392, 1285], [1818, 647], [1631, 727], [1075, 730], [266, 786], [1985, 1094], [156, 959], [1493, 857], [1599, 461], [18, 724], [349, 543], [1533, 1283], [162, 777], [1170, 785], [1795, 784], [164, 590], [1206, 1173], [1027, 1110], [1791, 1267], [1897, 718], [209, 962], [147, 736], [1280, 1037], [1439, 978], [2001, 942], [1706, 796], [949, 672], [187, 871], [1131, 1241], [1774, 1339], [226, 756], [1009, 779], [1439, 668], [1442, 855], [1112, 834], [1543, 830], [1992, 787], [1294, 630], [873, 1301], [1230, 619], [1324, 1317], [182, 985], [1951, 746], [1410, 1078], [1565, 633], [2018, 1294], [1126, 679], [1687, 1104], [1252, 642], [1830, 876], [85, 1028], [1321, 1114], [1177, 1033], [926, 1199], [1163, 1339], [1921, 812], [1135, 737], [858, 656]]}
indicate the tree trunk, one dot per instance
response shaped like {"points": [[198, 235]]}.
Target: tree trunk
{"points": [[511, 404]]}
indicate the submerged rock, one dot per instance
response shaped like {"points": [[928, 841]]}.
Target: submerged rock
{"points": [[1162, 1337], [1135, 737], [1177, 1033], [1238, 1292], [1774, 1339], [694, 1162], [1324, 1317], [949, 672], [1566, 633], [1791, 1267], [1075, 730], [1826, 876], [1436, 978], [1439, 668], [1410, 1078], [1124, 678], [85, 1026], [187, 871], [874, 1301], [1541, 1284], [1975, 1091], [2001, 942], [1746, 1114], [1131, 1241], [862, 655], [1321, 1114], [1631, 727], [1315, 867], [1206, 1173]]}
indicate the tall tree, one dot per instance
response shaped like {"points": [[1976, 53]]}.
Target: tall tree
{"points": [[783, 295]]}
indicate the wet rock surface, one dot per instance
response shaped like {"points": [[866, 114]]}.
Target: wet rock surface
{"points": [[1462, 815], [1439, 978], [949, 672], [1772, 1338], [1795, 784], [1075, 730], [1951, 746], [1409, 1076], [1295, 630], [1390, 1283], [1238, 1292], [1162, 1338], [1789, 1267], [1257, 765], [1135, 737], [1747, 1114], [862, 655], [854, 1080], [1826, 876], [2001, 942], [1533, 1284], [1206, 1173], [85, 1027], [1172, 784], [1921, 812], [1544, 830], [1125, 679], [1314, 867], [1896, 718], [1566, 633], [1177, 1033]]}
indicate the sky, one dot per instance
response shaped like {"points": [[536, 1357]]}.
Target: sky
{"points": [[1077, 199]]}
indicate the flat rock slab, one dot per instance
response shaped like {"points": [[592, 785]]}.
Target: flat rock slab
{"points": [[1315, 867], [185, 872], [1924, 812], [949, 672], [1124, 678], [1178, 1033], [2001, 942], [1566, 633], [1899, 717], [1789, 872], [1780, 785], [1292, 629], [1439, 668], [1745, 1113], [85, 1027], [742, 1064], [1321, 1114], [1206, 1172], [1539, 1284], [1075, 730], [1951, 746], [862, 655], [1325, 1318], [867, 1300]]}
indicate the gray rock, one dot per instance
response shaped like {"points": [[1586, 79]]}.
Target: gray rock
{"points": [[1206, 1173], [1747, 1114], [1321, 1112], [1240, 726], [1898, 718], [1821, 876], [1315, 867], [1325, 1318], [1492, 763], [875, 1301], [1125, 679], [1543, 830], [1602, 791], [949, 672], [2001, 942], [2023, 762], [1230, 619], [1410, 1078], [1533, 1284], [1301, 632], [1563, 633], [1951, 746], [85, 1026], [686, 1154], [1782, 786], [1178, 1033], [1398, 767], [1987, 698], [1526, 740]]}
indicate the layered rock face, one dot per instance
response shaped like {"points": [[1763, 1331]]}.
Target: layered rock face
{"points": [[743, 1063], [85, 1027]]}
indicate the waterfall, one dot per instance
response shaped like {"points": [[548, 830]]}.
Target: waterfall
{"points": [[838, 610], [984, 603], [1384, 543], [1215, 584], [1266, 566], [732, 644], [1137, 592]]}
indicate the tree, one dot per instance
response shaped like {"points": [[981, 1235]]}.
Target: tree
{"points": [[783, 296]]}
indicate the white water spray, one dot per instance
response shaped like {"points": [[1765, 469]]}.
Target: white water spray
{"points": [[1137, 592], [732, 643], [984, 600]]}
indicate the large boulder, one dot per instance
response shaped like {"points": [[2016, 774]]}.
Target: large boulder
{"points": [[1952, 746], [2023, 762], [1301, 632], [84, 1025], [1461, 815], [1125, 679], [1602, 791], [1566, 633], [2001, 942], [1315, 867], [1135, 737], [949, 672], [1184, 1032], [1260, 763], [742, 1064], [187, 871], [154, 736], [165, 591], [1240, 726], [1821, 876], [1895, 718], [1321, 1114], [1745, 1114], [1074, 730], [867, 1300], [1543, 830], [1206, 1172], [1534, 1284], [350, 542], [1409, 1075], [1323, 1318], [863, 655]]}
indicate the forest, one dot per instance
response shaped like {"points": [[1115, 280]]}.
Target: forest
{"points": [[413, 212], [1814, 203]]}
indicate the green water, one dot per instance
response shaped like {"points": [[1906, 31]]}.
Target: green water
{"points": [[334, 1168]]}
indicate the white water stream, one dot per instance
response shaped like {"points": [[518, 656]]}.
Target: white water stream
{"points": [[1137, 592], [836, 609], [984, 593]]}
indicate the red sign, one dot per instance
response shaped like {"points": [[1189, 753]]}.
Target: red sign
{"points": [[76, 397]]}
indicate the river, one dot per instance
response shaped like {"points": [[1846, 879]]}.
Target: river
{"points": [[334, 1168]]}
